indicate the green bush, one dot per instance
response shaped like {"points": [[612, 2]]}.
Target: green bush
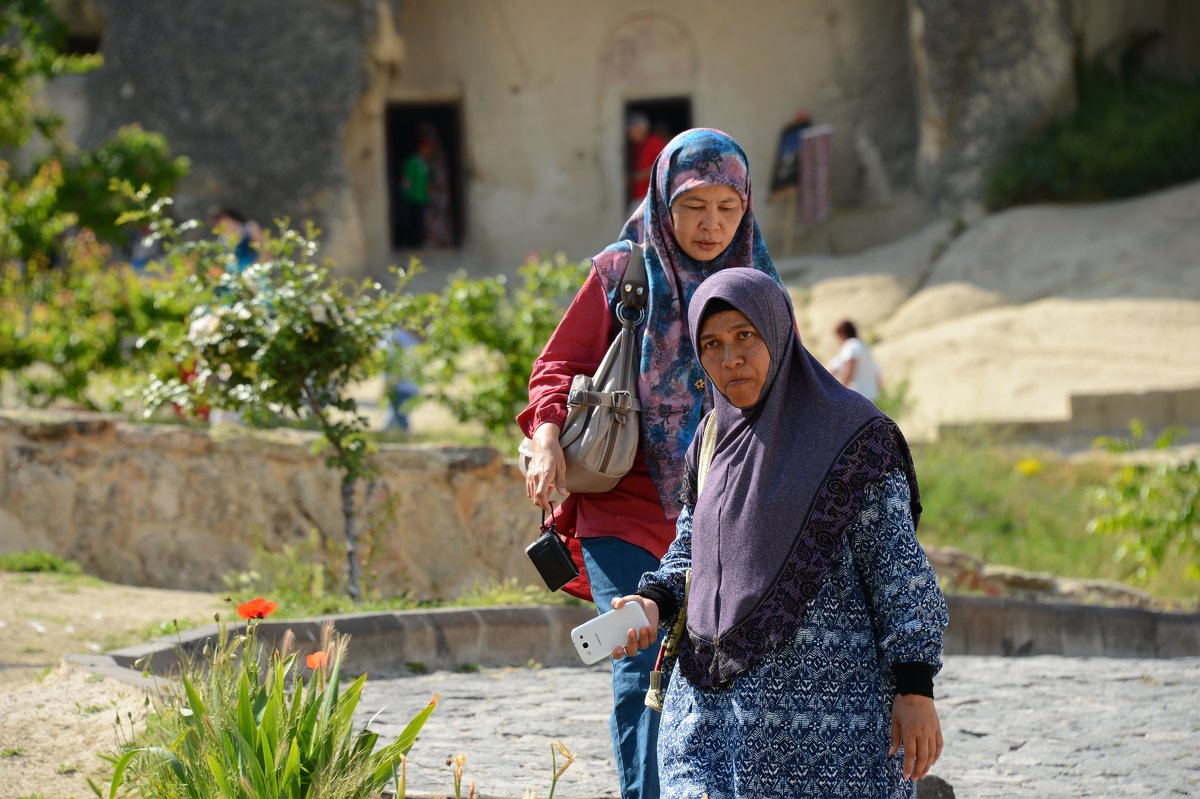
{"points": [[36, 561], [1152, 508], [1129, 135], [32, 50], [480, 343], [80, 324], [63, 311], [139, 157]]}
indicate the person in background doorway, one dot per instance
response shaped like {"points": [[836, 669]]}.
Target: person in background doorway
{"points": [[439, 221], [414, 192], [644, 146], [854, 365]]}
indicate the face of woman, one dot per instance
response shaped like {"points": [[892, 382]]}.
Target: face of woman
{"points": [[706, 220], [734, 356]]}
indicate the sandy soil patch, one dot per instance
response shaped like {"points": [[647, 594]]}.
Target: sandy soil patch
{"points": [[55, 718]]}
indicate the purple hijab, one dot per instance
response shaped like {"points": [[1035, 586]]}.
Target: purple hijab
{"points": [[788, 477], [671, 382]]}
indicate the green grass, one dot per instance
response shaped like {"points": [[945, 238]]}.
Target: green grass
{"points": [[305, 579], [1028, 508], [36, 561]]}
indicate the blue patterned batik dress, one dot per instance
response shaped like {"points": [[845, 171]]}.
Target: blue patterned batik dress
{"points": [[813, 718]]}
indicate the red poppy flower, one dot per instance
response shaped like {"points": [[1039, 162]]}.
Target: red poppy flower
{"points": [[317, 660], [256, 608]]}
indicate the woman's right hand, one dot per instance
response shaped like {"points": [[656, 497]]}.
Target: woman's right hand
{"points": [[639, 639], [547, 469]]}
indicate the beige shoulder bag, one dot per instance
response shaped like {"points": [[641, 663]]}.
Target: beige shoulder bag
{"points": [[600, 435]]}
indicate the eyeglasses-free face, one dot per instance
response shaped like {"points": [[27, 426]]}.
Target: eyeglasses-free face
{"points": [[706, 220], [734, 356]]}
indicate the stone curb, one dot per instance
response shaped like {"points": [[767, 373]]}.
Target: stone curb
{"points": [[1009, 627], [393, 644]]}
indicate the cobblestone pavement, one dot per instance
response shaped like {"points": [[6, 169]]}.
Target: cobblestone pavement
{"points": [[1014, 727]]}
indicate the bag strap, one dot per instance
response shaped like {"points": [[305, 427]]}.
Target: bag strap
{"points": [[635, 289], [708, 445]]}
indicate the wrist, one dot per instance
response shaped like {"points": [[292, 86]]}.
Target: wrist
{"points": [[546, 433], [914, 679]]}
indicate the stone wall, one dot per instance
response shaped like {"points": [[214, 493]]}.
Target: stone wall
{"points": [[257, 95], [171, 506]]}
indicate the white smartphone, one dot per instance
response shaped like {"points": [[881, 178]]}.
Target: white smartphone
{"points": [[596, 639]]}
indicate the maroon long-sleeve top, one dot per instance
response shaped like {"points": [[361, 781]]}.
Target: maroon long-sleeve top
{"points": [[630, 511]]}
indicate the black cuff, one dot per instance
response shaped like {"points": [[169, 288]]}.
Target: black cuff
{"points": [[661, 597], [914, 678]]}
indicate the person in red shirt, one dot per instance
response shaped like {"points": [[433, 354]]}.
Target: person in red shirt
{"points": [[698, 218], [644, 147]]}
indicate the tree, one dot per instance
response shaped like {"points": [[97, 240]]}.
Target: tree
{"points": [[281, 338]]}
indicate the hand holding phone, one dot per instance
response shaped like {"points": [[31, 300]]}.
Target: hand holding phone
{"points": [[595, 640]]}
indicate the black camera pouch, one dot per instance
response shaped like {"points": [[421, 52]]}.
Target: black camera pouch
{"points": [[551, 557]]}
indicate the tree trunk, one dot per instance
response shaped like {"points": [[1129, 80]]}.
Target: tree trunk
{"points": [[353, 570]]}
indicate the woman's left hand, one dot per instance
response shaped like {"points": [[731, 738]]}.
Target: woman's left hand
{"points": [[915, 726]]}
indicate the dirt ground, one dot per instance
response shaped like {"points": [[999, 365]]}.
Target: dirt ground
{"points": [[56, 719]]}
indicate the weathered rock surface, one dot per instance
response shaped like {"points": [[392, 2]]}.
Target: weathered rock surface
{"points": [[1024, 310], [179, 507], [983, 71]]}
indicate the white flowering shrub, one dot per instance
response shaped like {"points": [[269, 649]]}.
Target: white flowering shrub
{"points": [[283, 337]]}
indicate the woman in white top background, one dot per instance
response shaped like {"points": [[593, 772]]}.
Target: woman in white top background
{"points": [[854, 365]]}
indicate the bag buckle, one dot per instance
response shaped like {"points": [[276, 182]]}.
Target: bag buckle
{"points": [[622, 402]]}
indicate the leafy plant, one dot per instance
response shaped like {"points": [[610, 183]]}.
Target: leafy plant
{"points": [[32, 39], [281, 337], [60, 310], [77, 322], [247, 723], [1129, 134], [1154, 508], [133, 155], [480, 343]]}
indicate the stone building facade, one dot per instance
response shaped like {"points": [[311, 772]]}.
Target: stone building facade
{"points": [[307, 108]]}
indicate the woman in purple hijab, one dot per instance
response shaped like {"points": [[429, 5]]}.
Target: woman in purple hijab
{"points": [[814, 620]]}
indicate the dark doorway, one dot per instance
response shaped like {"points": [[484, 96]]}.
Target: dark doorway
{"points": [[410, 128], [666, 116]]}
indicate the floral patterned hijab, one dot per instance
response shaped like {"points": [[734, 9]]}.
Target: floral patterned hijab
{"points": [[672, 386]]}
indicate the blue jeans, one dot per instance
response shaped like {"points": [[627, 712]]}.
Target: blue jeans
{"points": [[614, 568]]}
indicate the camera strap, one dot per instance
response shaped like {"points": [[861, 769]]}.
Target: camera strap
{"points": [[549, 528]]}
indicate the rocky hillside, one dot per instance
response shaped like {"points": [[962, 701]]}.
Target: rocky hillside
{"points": [[1004, 318]]}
